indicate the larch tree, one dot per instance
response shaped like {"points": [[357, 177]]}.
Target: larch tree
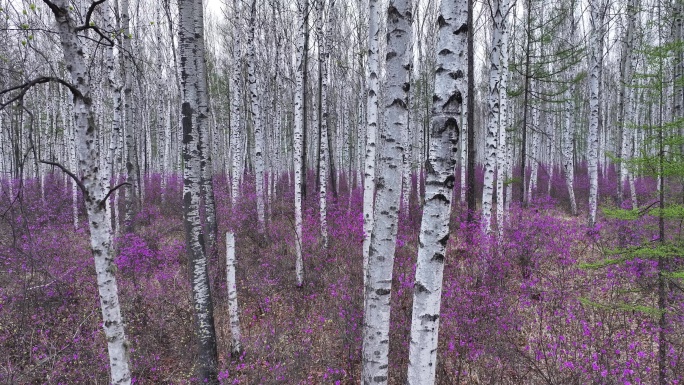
{"points": [[446, 121], [190, 13], [384, 234]]}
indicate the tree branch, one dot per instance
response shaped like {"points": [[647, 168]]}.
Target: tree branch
{"points": [[86, 25], [104, 200], [27, 86], [66, 171]]}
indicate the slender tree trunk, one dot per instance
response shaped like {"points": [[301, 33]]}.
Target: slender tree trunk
{"points": [[494, 122], [597, 10], [324, 50], [472, 152], [189, 15], [235, 346], [206, 163], [371, 129], [299, 134], [434, 230], [383, 237], [235, 98], [568, 164], [259, 163], [94, 184], [130, 112], [502, 147]]}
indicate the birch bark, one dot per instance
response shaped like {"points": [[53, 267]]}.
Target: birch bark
{"points": [[256, 120], [94, 190], [298, 152], [502, 147], [371, 128], [130, 112], [597, 8], [568, 165], [383, 237], [235, 346], [323, 171], [189, 14], [434, 232], [493, 122], [235, 98]]}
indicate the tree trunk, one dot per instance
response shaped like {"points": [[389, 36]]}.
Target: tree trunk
{"points": [[371, 128], [439, 184], [189, 15], [597, 11], [494, 122], [502, 147], [94, 185], [235, 346], [130, 111], [256, 121], [299, 133], [235, 98], [384, 234]]}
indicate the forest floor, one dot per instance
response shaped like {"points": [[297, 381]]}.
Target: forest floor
{"points": [[530, 308]]}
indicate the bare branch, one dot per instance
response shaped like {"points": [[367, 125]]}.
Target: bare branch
{"points": [[66, 171], [27, 86], [104, 200]]}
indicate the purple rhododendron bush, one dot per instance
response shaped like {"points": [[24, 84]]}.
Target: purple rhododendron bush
{"points": [[537, 305]]}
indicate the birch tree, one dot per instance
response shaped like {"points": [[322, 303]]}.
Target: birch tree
{"points": [[383, 237], [371, 128], [298, 153], [597, 11], [235, 101], [130, 112], [447, 104], [190, 12], [236, 345], [324, 50], [259, 163], [93, 181], [493, 123]]}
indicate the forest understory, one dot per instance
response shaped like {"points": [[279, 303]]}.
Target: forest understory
{"points": [[545, 304]]}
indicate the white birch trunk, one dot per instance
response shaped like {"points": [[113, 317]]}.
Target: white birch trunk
{"points": [[568, 165], [383, 237], [323, 170], [371, 128], [231, 283], [551, 138], [595, 54], [534, 159], [130, 110], [299, 138], [439, 184], [502, 173], [190, 13], [256, 121], [95, 191], [235, 103], [73, 160], [493, 121]]}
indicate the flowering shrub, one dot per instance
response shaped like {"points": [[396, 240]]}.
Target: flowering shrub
{"points": [[520, 309]]}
